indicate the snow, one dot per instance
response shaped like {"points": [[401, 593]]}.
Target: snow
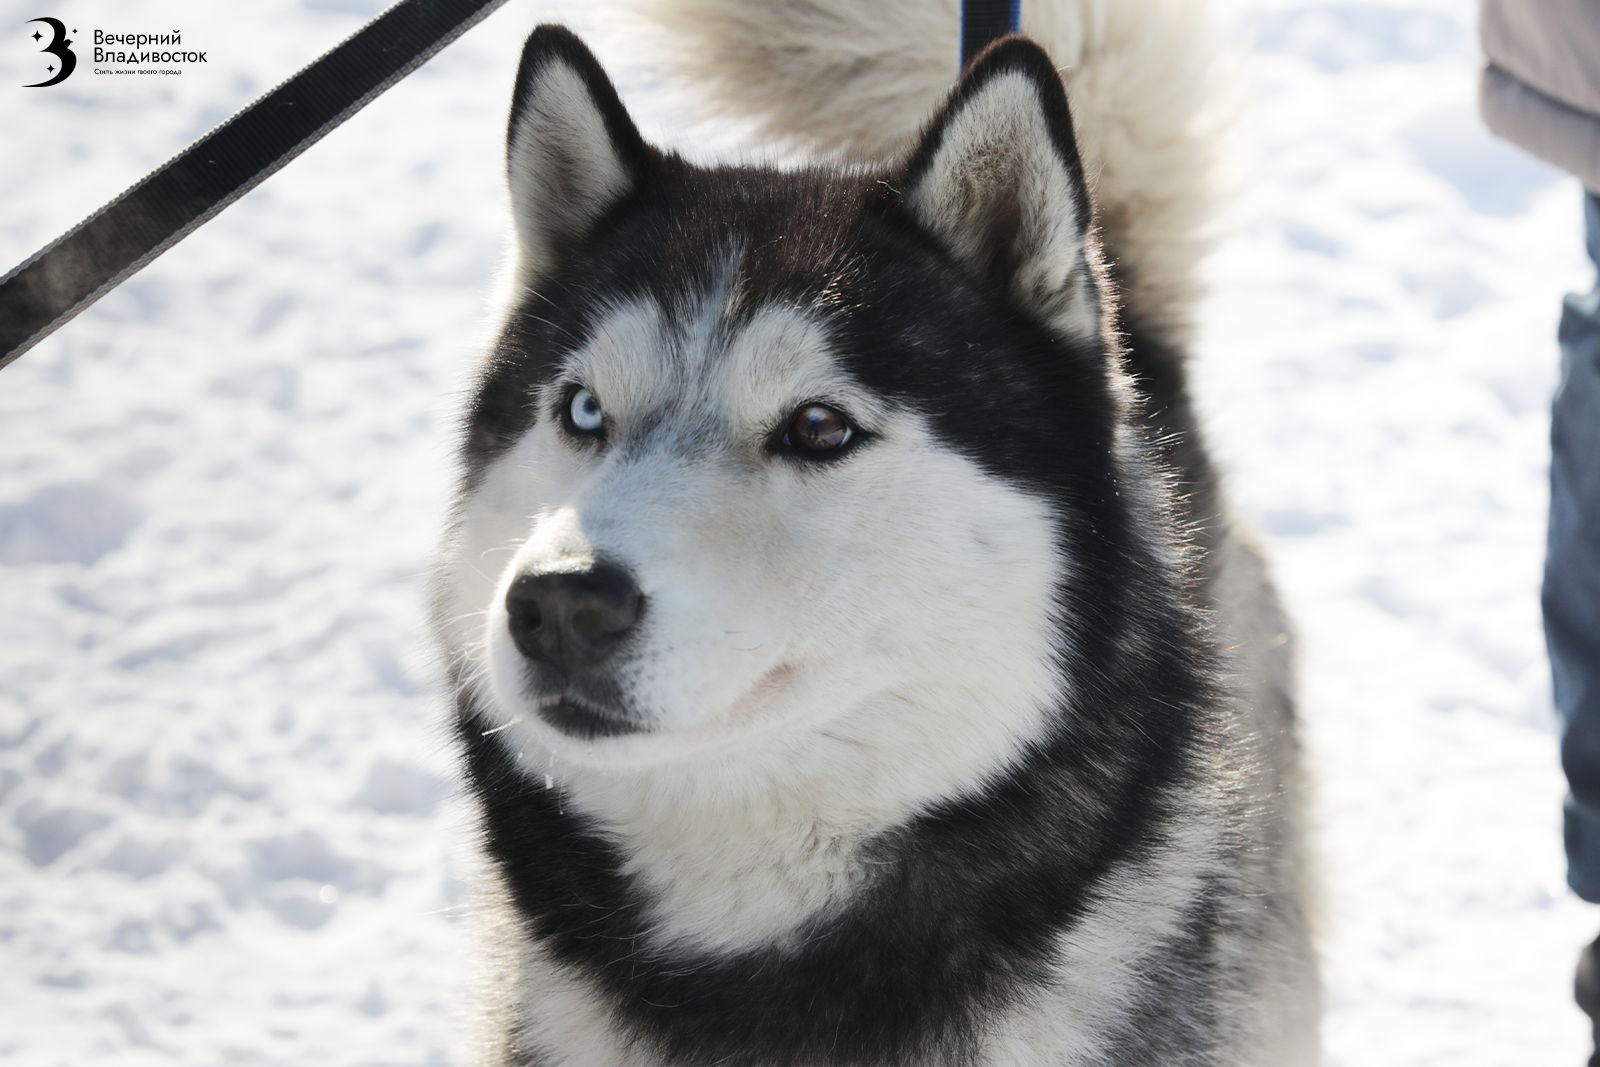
{"points": [[228, 830]]}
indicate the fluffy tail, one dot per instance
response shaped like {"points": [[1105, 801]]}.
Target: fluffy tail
{"points": [[860, 76]]}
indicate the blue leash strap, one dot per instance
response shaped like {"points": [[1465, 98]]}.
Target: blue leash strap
{"points": [[985, 21], [105, 249]]}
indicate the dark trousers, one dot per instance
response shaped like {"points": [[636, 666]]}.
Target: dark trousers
{"points": [[1572, 570]]}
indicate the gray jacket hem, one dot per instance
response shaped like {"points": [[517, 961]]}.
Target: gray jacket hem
{"points": [[1556, 133]]}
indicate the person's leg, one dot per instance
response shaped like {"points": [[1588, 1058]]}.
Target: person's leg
{"points": [[1572, 571], [1572, 596]]}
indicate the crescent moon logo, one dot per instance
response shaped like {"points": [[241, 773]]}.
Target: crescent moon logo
{"points": [[60, 47]]}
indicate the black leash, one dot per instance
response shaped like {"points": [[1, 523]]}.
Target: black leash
{"points": [[985, 21], [105, 249]]}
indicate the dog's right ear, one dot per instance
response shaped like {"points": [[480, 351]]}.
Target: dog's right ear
{"points": [[572, 152], [997, 179]]}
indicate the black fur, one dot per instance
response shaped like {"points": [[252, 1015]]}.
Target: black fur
{"points": [[971, 897]]}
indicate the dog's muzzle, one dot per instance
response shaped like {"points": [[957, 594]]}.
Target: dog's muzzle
{"points": [[568, 624]]}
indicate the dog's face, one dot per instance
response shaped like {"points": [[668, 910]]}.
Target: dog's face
{"points": [[762, 453]]}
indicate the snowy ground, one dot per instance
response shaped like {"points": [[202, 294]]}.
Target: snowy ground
{"points": [[227, 832]]}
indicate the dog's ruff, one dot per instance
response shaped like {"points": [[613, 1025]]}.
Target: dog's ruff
{"points": [[972, 745]]}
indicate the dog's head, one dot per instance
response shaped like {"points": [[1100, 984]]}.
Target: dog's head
{"points": [[767, 453]]}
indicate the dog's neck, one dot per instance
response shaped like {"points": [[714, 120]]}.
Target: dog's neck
{"points": [[740, 849], [681, 899]]}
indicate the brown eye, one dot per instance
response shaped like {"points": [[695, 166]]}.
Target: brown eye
{"points": [[817, 429]]}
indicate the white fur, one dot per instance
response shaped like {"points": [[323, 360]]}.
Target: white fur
{"points": [[1100, 964], [1145, 78], [806, 663]]}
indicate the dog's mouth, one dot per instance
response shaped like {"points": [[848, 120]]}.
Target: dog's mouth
{"points": [[593, 709], [580, 718], [583, 708]]}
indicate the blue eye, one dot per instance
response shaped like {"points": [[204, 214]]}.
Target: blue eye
{"points": [[584, 414]]}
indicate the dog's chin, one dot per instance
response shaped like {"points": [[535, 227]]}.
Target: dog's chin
{"points": [[577, 712], [604, 731], [578, 730], [580, 734], [581, 719]]}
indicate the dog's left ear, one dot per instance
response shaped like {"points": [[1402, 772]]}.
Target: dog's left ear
{"points": [[997, 178], [572, 152]]}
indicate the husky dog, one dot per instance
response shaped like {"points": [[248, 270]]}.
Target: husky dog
{"points": [[853, 656]]}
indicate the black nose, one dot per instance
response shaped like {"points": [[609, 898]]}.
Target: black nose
{"points": [[573, 619]]}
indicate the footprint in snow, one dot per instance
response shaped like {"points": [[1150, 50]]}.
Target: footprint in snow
{"points": [[66, 523]]}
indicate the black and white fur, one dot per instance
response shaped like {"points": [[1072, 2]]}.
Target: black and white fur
{"points": [[969, 745]]}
